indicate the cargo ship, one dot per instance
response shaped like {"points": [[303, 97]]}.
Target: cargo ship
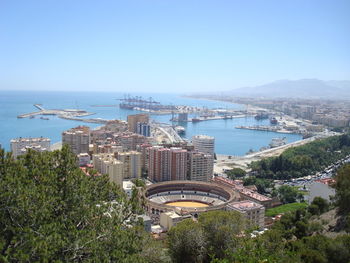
{"points": [[273, 120], [261, 116], [180, 130]]}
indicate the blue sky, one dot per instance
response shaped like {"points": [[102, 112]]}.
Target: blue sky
{"points": [[170, 46]]}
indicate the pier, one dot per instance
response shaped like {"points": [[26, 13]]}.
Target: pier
{"points": [[68, 114], [133, 102], [267, 128], [210, 118]]}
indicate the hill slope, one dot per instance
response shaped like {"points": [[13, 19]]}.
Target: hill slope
{"points": [[304, 88]]}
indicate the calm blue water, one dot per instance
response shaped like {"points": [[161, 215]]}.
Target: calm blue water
{"points": [[228, 140]]}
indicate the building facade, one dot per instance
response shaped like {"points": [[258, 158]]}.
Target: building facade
{"points": [[205, 144], [20, 146], [131, 164], [77, 138], [253, 212], [158, 164], [199, 166], [134, 119], [108, 164], [144, 129], [178, 164]]}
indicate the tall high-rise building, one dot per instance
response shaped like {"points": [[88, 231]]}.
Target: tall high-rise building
{"points": [[178, 164], [143, 129], [158, 164], [199, 166], [131, 164], [134, 119], [21, 145], [205, 144], [167, 164], [107, 164], [144, 150], [129, 141], [77, 138]]}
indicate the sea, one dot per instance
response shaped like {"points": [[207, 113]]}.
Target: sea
{"points": [[228, 139]]}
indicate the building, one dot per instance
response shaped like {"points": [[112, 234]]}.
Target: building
{"points": [[127, 187], [170, 219], [134, 119], [107, 148], [107, 164], [131, 164], [83, 159], [253, 212], [20, 145], [197, 197], [144, 129], [167, 164], [204, 144], [129, 141], [246, 193], [178, 164], [199, 166], [147, 222], [158, 164], [143, 149], [77, 138]]}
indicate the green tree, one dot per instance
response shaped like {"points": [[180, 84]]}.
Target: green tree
{"points": [[288, 194], [342, 187], [186, 242], [318, 206], [235, 172], [269, 247], [221, 229], [51, 211]]}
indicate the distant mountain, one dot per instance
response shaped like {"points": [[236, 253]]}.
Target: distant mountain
{"points": [[304, 88]]}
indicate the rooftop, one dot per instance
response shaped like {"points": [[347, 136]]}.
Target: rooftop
{"points": [[244, 205], [203, 137]]}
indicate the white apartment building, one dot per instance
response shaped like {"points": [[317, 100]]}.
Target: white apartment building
{"points": [[20, 146], [77, 138], [200, 166], [131, 164], [204, 144], [108, 164], [253, 212], [83, 159]]}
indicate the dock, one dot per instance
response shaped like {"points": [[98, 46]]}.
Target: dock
{"points": [[267, 128], [227, 117], [68, 114]]}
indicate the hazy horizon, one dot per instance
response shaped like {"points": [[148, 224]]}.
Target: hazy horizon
{"points": [[170, 47]]}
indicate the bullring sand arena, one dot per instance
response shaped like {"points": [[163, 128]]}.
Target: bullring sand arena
{"points": [[187, 204], [186, 197]]}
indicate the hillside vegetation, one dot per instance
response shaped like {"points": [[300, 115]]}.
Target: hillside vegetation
{"points": [[303, 160]]}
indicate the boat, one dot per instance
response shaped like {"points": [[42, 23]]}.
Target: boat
{"points": [[196, 120], [273, 120], [32, 117], [180, 130], [276, 142], [44, 118], [261, 116]]}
